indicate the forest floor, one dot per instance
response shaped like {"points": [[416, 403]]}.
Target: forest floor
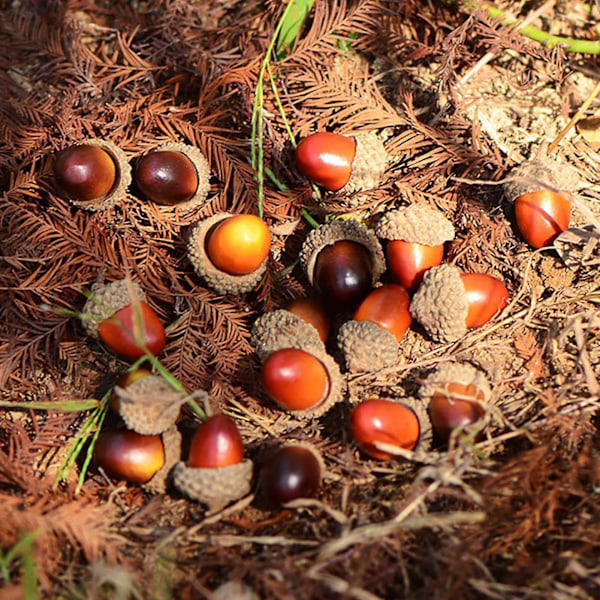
{"points": [[461, 99]]}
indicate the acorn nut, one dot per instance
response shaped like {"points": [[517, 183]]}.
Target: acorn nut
{"points": [[92, 174], [415, 237], [448, 303], [112, 312], [174, 175], [230, 252], [216, 473]]}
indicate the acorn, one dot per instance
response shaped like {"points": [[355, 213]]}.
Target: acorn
{"points": [[540, 191], [458, 395], [294, 471], [148, 405], [138, 458], [415, 237], [366, 347], [379, 426], [216, 473], [92, 174], [283, 331], [313, 311], [173, 175], [230, 252], [342, 260], [341, 163], [448, 303], [111, 314]]}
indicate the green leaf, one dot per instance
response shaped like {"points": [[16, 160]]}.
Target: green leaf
{"points": [[292, 25]]}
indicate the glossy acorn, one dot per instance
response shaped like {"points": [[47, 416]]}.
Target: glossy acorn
{"points": [[294, 471], [458, 396], [540, 191], [313, 311], [415, 237], [93, 174], [401, 425], [115, 310], [342, 260], [216, 473], [295, 379], [341, 163], [448, 302], [230, 252]]}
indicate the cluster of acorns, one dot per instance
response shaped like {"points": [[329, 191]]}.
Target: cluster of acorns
{"points": [[343, 260]]}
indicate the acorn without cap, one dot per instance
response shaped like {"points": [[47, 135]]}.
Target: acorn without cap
{"points": [[342, 260], [415, 237], [341, 163], [216, 473], [93, 174], [173, 175], [458, 395], [449, 302], [111, 314], [230, 252]]}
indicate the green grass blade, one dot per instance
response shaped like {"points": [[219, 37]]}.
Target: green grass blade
{"points": [[292, 25]]}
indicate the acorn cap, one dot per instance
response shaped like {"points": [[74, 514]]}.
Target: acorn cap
{"points": [[202, 169], [538, 174], [149, 405], [366, 346], [106, 299], [122, 177], [283, 329], [221, 282], [440, 304], [335, 231], [171, 439], [416, 223], [216, 487], [368, 165], [439, 379]]}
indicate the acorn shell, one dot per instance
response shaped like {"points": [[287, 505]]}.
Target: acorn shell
{"points": [[273, 342], [417, 223], [171, 439], [539, 174], [202, 169], [366, 346], [283, 329], [122, 177], [221, 282], [440, 304], [216, 487], [149, 405], [368, 165], [453, 372], [335, 231], [106, 299]]}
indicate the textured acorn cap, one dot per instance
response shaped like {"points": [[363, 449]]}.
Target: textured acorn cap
{"points": [[366, 346], [538, 174], [439, 379], [335, 231], [368, 165], [232, 590], [283, 329], [106, 299], [202, 169], [149, 405], [440, 304], [171, 439], [216, 487], [221, 282], [416, 223], [122, 177]]}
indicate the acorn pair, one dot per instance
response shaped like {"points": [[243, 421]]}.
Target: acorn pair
{"points": [[95, 174]]}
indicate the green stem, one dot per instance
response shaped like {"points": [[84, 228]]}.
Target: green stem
{"points": [[549, 40], [309, 218], [90, 450]]}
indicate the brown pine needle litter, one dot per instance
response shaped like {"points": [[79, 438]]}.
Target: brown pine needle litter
{"points": [[461, 92]]}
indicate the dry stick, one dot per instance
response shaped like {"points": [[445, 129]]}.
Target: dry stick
{"points": [[575, 118]]}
